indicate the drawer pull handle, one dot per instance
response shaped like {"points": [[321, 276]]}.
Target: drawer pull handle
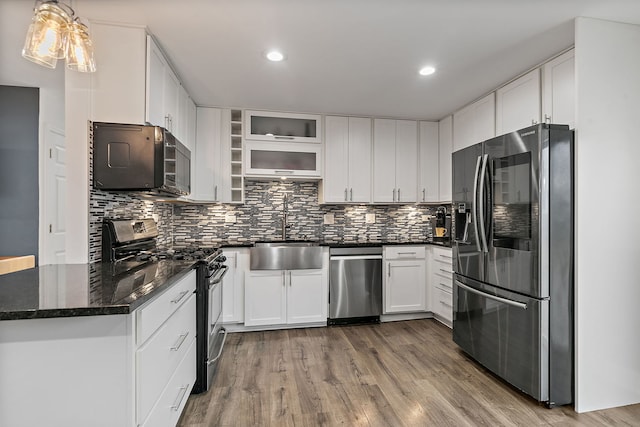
{"points": [[181, 393], [446, 304], [178, 343], [179, 297], [446, 256], [406, 253], [445, 271]]}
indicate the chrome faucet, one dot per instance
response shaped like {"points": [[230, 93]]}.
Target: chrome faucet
{"points": [[285, 226]]}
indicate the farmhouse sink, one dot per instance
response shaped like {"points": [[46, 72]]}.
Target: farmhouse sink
{"points": [[285, 255], [285, 243]]}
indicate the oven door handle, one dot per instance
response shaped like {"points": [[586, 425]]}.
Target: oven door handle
{"points": [[218, 279], [222, 331]]}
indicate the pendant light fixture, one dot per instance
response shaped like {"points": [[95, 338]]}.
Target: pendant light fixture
{"points": [[56, 33]]}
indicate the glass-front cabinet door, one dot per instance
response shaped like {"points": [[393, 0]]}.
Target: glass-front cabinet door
{"points": [[282, 159], [285, 127]]}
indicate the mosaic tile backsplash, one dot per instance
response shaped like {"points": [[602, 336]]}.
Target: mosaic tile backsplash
{"points": [[260, 218], [261, 215]]}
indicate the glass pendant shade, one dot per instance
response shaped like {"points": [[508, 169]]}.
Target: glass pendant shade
{"points": [[47, 36], [80, 49]]}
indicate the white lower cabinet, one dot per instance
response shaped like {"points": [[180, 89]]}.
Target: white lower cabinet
{"points": [[233, 285], [134, 369], [404, 280], [441, 284], [278, 297]]}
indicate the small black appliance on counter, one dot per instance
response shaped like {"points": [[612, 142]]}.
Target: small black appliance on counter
{"points": [[441, 225]]}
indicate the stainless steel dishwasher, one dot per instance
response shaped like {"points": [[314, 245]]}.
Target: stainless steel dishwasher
{"points": [[355, 285]]}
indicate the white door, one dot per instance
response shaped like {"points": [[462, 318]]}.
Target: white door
{"points": [[559, 97], [518, 103], [155, 84], [406, 161], [306, 299], [336, 154], [55, 180], [428, 167], [265, 298], [384, 161], [405, 286], [230, 290], [360, 160], [445, 141]]}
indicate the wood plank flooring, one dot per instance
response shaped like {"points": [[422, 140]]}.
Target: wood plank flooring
{"points": [[392, 374]]}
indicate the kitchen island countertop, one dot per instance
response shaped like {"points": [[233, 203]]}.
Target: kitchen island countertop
{"points": [[68, 290]]}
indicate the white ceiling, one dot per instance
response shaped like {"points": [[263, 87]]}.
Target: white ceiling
{"points": [[357, 57]]}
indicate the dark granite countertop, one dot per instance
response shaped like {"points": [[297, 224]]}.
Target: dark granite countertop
{"points": [[67, 290], [344, 244]]}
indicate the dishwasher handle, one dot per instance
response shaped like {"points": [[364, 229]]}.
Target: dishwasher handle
{"points": [[354, 257]]}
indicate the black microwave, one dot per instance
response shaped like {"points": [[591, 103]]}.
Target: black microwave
{"points": [[140, 158]]}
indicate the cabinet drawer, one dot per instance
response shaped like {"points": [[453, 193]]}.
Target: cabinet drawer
{"points": [[443, 304], [443, 284], [443, 255], [150, 317], [157, 360], [169, 406], [404, 252]]}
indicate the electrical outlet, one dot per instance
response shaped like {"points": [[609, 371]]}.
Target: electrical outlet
{"points": [[370, 218], [155, 217], [426, 217], [230, 218], [329, 218]]}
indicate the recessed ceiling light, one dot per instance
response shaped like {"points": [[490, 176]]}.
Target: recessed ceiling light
{"points": [[427, 71], [274, 56]]}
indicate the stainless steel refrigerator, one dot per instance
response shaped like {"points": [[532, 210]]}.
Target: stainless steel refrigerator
{"points": [[513, 258]]}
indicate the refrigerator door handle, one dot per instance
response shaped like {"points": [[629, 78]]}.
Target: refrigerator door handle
{"points": [[474, 208], [492, 297], [482, 207]]}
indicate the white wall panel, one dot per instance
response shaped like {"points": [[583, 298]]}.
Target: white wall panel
{"points": [[607, 153]]}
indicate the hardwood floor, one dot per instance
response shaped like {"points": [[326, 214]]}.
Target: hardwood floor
{"points": [[392, 374]]}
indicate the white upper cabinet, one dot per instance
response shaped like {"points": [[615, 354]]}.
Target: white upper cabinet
{"points": [[118, 86], [445, 141], [428, 190], [135, 83], [395, 161], [216, 172], [206, 170], [186, 123], [518, 103], [163, 90], [284, 127], [475, 123], [558, 96], [347, 176]]}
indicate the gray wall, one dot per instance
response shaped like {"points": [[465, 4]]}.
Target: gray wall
{"points": [[19, 115]]}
